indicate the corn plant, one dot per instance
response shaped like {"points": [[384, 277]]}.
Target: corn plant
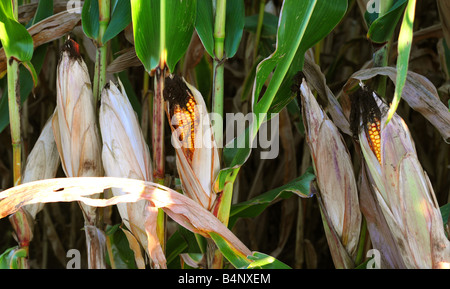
{"points": [[146, 141]]}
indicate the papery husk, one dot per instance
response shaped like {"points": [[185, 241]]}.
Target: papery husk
{"points": [[77, 136], [405, 196], [198, 175], [42, 162], [338, 194], [126, 154]]}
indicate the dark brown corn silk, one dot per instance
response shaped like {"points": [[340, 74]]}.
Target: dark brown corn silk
{"points": [[72, 48], [182, 112], [365, 114]]}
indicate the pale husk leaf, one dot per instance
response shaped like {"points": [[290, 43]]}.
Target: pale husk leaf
{"points": [[42, 162], [405, 197], [126, 154], [77, 139], [334, 173]]}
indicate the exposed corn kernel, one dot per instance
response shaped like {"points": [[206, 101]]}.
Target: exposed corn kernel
{"points": [[374, 137], [187, 119]]}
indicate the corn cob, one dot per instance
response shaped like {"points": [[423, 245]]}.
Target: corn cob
{"points": [[126, 154], [404, 195], [77, 137], [338, 194], [365, 111], [183, 112], [193, 139]]}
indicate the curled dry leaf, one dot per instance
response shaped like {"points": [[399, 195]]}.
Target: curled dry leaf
{"points": [[193, 140], [180, 208], [335, 177], [316, 79]]}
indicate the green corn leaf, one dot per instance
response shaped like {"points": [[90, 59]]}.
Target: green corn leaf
{"points": [[252, 208], [381, 28], [26, 85], [10, 258], [237, 259], [404, 50], [269, 26], [27, 80], [204, 25], [15, 38], [308, 22], [264, 261], [177, 24], [123, 255], [234, 25], [89, 18], [120, 18], [445, 212]]}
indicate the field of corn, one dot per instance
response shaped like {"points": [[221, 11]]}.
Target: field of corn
{"points": [[225, 134]]}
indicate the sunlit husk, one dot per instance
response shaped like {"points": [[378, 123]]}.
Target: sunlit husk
{"points": [[126, 154], [198, 175], [336, 181], [405, 196], [77, 136]]}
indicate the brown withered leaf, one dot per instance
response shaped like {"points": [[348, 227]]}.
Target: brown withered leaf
{"points": [[444, 13], [180, 208], [126, 59]]}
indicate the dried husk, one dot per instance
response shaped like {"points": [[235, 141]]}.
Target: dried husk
{"points": [[42, 162], [338, 194], [77, 137], [405, 196], [198, 175], [126, 154]]}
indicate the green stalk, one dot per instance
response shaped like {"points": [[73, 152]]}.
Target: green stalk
{"points": [[214, 258], [219, 39], [158, 122], [262, 5], [19, 220], [362, 242], [14, 117], [102, 49]]}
